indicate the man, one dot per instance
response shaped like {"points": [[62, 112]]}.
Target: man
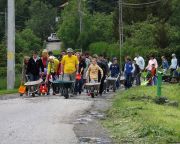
{"points": [[34, 66], [139, 67], [174, 64], [114, 71], [104, 66], [140, 61], [69, 65]]}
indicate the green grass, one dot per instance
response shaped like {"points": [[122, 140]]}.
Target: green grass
{"points": [[3, 82], [135, 118], [3, 86], [2, 92]]}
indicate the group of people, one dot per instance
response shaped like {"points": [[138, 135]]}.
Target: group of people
{"points": [[67, 66], [90, 68], [134, 68]]}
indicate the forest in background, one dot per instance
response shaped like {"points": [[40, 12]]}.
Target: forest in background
{"points": [[148, 29]]}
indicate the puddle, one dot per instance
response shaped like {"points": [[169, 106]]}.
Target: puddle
{"points": [[85, 119], [93, 140]]}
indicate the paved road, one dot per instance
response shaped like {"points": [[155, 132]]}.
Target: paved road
{"points": [[40, 120]]}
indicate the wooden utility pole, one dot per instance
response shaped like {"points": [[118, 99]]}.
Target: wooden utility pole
{"points": [[120, 30], [11, 45]]}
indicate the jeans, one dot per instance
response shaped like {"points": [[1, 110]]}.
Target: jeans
{"points": [[101, 89], [78, 85], [69, 77], [138, 79], [54, 87], [128, 82], [33, 77]]}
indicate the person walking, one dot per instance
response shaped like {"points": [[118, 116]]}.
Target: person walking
{"points": [[128, 70], [152, 60], [79, 80], [104, 66], [140, 65], [174, 65], [165, 65], [69, 66], [52, 72], [24, 69], [35, 67]]}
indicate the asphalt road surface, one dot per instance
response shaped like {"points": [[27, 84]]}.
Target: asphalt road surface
{"points": [[40, 120]]}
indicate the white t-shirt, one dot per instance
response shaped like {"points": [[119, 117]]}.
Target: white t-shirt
{"points": [[140, 62], [174, 63]]}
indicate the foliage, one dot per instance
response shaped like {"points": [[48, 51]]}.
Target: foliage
{"points": [[134, 116], [95, 28], [109, 50], [27, 41], [151, 37], [3, 55], [42, 21]]}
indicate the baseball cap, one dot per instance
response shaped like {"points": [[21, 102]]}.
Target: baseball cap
{"points": [[69, 50], [173, 55]]}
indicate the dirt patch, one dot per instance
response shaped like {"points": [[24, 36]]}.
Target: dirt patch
{"points": [[88, 128]]}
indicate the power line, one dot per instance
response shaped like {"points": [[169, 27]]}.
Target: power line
{"points": [[141, 4]]}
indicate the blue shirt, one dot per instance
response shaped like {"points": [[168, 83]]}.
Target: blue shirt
{"points": [[165, 64], [115, 70], [128, 68]]}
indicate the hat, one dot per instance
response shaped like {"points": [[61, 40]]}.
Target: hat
{"points": [[51, 57], [95, 55], [69, 50], [115, 58], [173, 55]]}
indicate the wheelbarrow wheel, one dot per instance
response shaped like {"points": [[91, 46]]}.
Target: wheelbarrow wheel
{"points": [[92, 95]]}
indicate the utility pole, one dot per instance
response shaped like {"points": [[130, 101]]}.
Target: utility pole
{"points": [[11, 45], [80, 18], [120, 30]]}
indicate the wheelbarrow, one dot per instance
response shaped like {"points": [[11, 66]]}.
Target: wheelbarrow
{"points": [[66, 87], [93, 88]]}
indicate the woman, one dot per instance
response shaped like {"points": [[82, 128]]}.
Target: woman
{"points": [[24, 69], [165, 65], [152, 61], [82, 66], [44, 59]]}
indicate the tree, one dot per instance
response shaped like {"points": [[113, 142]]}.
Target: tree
{"points": [[42, 21], [27, 41], [96, 27]]}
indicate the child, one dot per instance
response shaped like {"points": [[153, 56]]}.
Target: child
{"points": [[115, 71], [153, 75], [128, 70], [93, 70]]}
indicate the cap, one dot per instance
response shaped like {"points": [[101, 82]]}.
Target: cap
{"points": [[51, 57], [115, 58], [135, 58], [69, 50], [173, 55]]}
